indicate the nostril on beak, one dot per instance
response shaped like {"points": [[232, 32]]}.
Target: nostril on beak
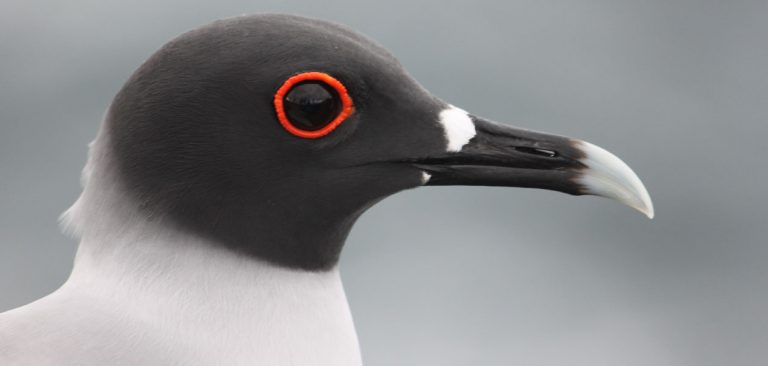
{"points": [[536, 151]]}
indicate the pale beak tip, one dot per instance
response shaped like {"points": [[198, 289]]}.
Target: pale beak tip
{"points": [[641, 200], [647, 209], [608, 176]]}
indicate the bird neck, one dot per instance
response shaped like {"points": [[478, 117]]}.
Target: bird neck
{"points": [[175, 268], [184, 293], [142, 270]]}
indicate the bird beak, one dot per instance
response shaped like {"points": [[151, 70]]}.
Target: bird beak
{"points": [[499, 155]]}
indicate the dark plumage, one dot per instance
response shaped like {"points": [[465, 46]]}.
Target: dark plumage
{"points": [[196, 139]]}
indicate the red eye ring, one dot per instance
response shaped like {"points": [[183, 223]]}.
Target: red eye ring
{"points": [[347, 107]]}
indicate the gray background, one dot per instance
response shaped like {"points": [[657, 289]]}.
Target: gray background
{"points": [[467, 276]]}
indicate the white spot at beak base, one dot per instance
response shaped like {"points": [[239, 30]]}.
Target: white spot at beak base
{"points": [[425, 178], [459, 128]]}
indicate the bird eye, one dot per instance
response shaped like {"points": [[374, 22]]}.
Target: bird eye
{"points": [[312, 104]]}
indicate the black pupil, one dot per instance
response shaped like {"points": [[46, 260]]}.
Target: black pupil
{"points": [[311, 105]]}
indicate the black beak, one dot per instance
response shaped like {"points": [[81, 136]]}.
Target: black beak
{"points": [[499, 155]]}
